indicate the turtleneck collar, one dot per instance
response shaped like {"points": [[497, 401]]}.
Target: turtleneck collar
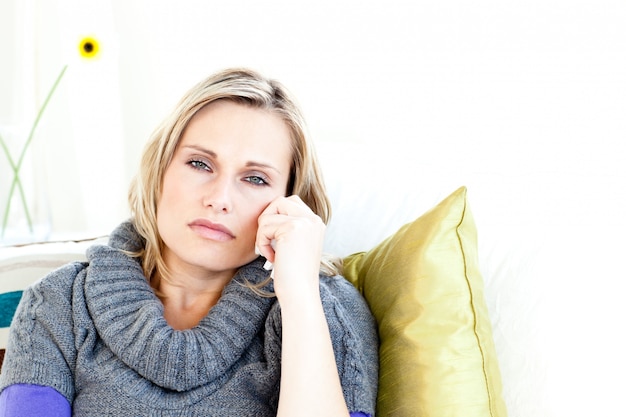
{"points": [[129, 318]]}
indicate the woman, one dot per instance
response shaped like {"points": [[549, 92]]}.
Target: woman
{"points": [[178, 315]]}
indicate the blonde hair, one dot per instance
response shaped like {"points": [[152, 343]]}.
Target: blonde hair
{"points": [[242, 86]]}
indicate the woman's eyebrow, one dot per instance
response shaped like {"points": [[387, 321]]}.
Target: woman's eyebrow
{"points": [[255, 164], [201, 149]]}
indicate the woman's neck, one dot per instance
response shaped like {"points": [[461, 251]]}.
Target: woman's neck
{"points": [[187, 299]]}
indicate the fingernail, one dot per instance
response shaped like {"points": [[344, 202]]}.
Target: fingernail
{"points": [[257, 251], [268, 266]]}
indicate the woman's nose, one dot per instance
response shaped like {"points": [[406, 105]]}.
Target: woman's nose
{"points": [[218, 195]]}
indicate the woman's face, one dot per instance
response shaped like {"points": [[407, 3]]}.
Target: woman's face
{"points": [[231, 162]]}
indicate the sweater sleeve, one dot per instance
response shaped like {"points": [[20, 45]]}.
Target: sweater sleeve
{"points": [[355, 342], [41, 349], [23, 400]]}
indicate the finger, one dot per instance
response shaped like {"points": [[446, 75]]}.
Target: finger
{"points": [[274, 218], [289, 206], [267, 234], [264, 248], [272, 228]]}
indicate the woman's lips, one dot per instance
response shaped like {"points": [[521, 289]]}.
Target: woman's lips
{"points": [[210, 230]]}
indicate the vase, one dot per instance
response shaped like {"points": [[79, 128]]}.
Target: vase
{"points": [[24, 202]]}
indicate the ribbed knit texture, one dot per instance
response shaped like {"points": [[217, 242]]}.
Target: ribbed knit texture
{"points": [[96, 333]]}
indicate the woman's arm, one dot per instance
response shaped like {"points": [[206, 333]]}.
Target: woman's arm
{"points": [[310, 384], [41, 351]]}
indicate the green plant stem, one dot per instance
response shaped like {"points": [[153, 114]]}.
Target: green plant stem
{"points": [[41, 110], [13, 185], [16, 167]]}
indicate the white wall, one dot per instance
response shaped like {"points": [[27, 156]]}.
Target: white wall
{"points": [[523, 102]]}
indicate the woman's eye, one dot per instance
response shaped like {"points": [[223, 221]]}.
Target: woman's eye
{"points": [[256, 180], [197, 164]]}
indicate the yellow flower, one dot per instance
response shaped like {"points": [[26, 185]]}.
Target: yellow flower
{"points": [[89, 47]]}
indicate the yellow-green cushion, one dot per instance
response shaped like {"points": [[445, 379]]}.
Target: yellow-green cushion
{"points": [[424, 286]]}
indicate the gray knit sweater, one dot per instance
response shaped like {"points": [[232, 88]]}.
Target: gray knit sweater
{"points": [[95, 332]]}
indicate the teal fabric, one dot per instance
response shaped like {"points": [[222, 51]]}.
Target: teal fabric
{"points": [[8, 305]]}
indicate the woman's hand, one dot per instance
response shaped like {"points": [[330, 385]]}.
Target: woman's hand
{"points": [[291, 236]]}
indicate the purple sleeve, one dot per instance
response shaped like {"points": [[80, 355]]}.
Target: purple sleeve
{"points": [[359, 414], [33, 401]]}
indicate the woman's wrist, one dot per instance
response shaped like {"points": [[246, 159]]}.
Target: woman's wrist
{"points": [[303, 294]]}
